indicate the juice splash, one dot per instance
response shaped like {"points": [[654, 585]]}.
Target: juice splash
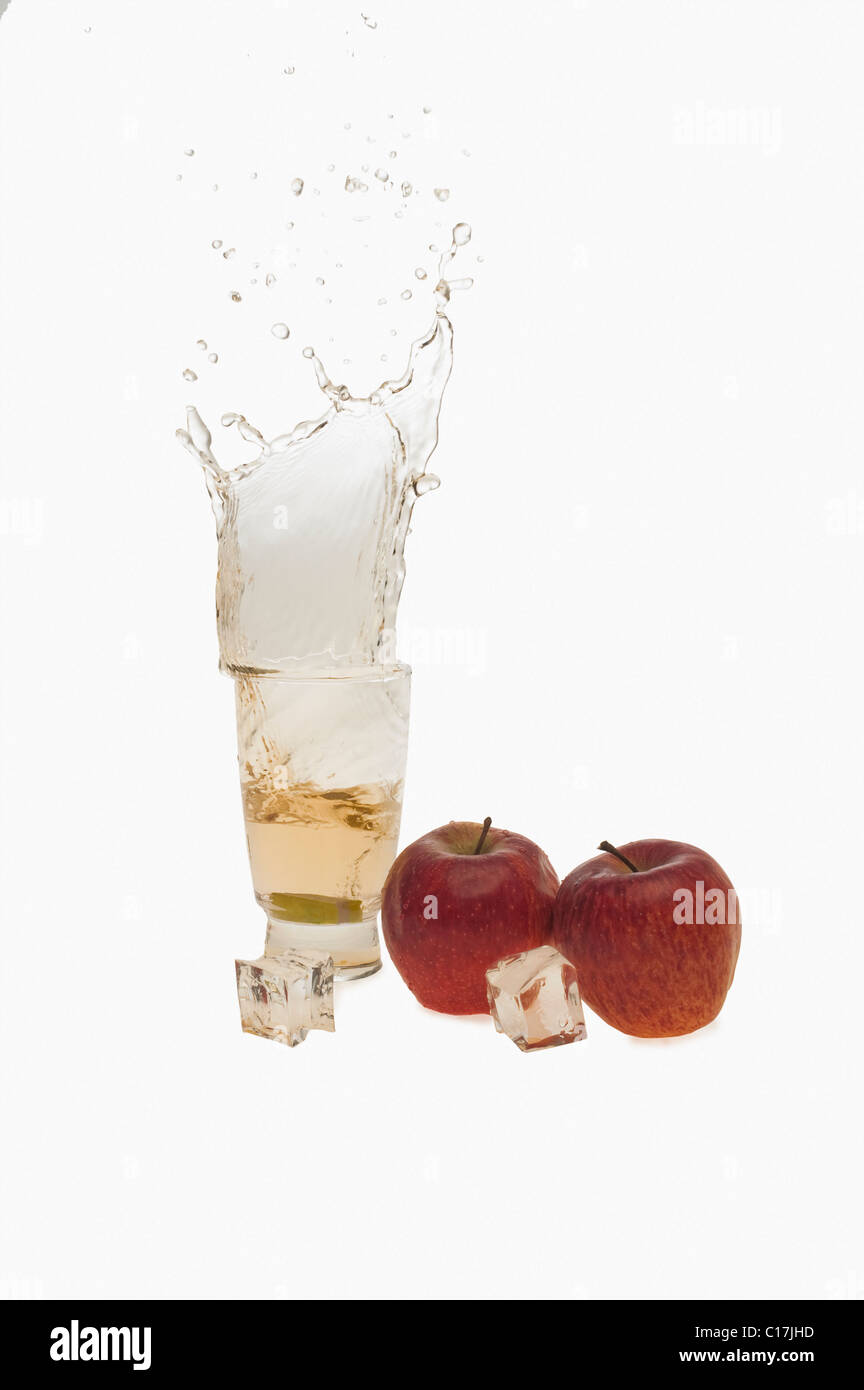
{"points": [[312, 529]]}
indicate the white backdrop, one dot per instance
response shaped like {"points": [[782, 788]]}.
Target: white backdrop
{"points": [[633, 609]]}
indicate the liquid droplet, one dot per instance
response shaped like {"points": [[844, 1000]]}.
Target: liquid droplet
{"points": [[226, 255], [288, 72], [353, 185], [427, 110], [216, 244], [427, 483], [442, 194], [296, 187], [289, 226], [201, 344], [382, 175], [230, 418], [189, 153], [236, 296], [189, 375], [253, 175], [370, 23], [308, 352], [213, 357], [407, 189], [382, 301], [318, 280], [461, 234], [270, 278], [280, 330], [406, 294], [420, 273]]}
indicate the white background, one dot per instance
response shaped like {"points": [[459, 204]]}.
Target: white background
{"points": [[633, 608]]}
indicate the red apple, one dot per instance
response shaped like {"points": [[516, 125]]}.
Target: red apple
{"points": [[457, 901], [653, 930]]}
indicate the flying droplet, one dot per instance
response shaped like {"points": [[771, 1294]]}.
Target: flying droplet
{"points": [[392, 154], [406, 294], [288, 72], [296, 187], [226, 255], [461, 234], [189, 153], [382, 175], [383, 357], [308, 352], [213, 357], [280, 330], [420, 273], [179, 178], [407, 189], [330, 168], [353, 185], [370, 23], [236, 296], [382, 301], [318, 280], [216, 244], [201, 344], [189, 375], [442, 194], [270, 278], [427, 110], [253, 175], [289, 226]]}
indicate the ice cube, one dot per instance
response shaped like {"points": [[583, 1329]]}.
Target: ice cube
{"points": [[284, 994], [534, 999]]}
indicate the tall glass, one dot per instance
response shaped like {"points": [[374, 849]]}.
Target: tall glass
{"points": [[311, 536], [322, 767]]}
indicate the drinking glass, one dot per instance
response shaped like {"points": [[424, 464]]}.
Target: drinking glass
{"points": [[322, 768]]}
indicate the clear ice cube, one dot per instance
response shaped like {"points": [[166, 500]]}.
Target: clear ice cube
{"points": [[534, 999], [284, 994]]}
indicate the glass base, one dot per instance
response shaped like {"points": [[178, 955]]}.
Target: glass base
{"points": [[353, 945]]}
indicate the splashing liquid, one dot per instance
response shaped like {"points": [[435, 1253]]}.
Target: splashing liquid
{"points": [[312, 529]]}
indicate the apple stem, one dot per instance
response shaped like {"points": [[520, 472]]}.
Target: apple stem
{"points": [[483, 833], [610, 849]]}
